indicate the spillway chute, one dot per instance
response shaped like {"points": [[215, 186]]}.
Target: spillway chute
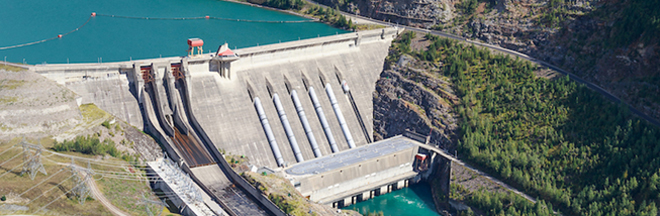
{"points": [[287, 128], [323, 120], [340, 116], [305, 123], [269, 132]]}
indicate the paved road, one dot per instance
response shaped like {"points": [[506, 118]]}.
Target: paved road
{"points": [[15, 65], [515, 53]]}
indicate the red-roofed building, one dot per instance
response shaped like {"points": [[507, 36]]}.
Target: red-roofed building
{"points": [[224, 56], [227, 52]]}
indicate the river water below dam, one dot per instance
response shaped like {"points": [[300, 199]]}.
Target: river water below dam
{"points": [[107, 39], [414, 200]]}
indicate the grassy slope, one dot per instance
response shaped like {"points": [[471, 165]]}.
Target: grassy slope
{"points": [[123, 184]]}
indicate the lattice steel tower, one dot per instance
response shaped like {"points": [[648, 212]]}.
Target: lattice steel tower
{"points": [[32, 162]]}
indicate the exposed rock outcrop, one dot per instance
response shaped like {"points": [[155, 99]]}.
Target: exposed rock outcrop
{"points": [[413, 95]]}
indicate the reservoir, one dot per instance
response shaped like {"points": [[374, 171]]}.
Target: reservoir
{"points": [[107, 39], [414, 200]]}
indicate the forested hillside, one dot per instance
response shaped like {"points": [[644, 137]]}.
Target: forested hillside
{"points": [[616, 47], [553, 138], [611, 43]]}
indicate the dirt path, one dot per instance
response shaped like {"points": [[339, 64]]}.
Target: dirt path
{"points": [[98, 195]]}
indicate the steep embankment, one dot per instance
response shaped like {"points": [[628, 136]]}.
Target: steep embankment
{"points": [[33, 106], [539, 135], [612, 43], [415, 94]]}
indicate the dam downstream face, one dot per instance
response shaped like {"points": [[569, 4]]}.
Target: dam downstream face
{"points": [[109, 39]]}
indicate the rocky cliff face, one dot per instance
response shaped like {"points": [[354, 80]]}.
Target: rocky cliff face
{"points": [[413, 95]]}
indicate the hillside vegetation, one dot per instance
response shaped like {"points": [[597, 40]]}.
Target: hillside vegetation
{"points": [[638, 21], [611, 43], [554, 139]]}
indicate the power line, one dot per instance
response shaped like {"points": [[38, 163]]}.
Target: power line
{"points": [[12, 169], [3, 163], [11, 147], [51, 176], [80, 158], [51, 202], [33, 199], [121, 175], [206, 17]]}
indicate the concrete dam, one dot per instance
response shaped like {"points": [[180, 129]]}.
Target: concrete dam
{"points": [[303, 109]]}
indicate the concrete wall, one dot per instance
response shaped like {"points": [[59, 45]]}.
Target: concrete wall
{"points": [[108, 88], [223, 105], [225, 108], [357, 178], [260, 56]]}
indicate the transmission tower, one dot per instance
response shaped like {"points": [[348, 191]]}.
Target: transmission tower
{"points": [[32, 162], [81, 190], [146, 203]]}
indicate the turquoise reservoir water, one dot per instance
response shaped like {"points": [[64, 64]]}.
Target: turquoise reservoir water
{"points": [[118, 39], [415, 200]]}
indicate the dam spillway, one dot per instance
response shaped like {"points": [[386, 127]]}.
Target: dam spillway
{"points": [[226, 104], [221, 90]]}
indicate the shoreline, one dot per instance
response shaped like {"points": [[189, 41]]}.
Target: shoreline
{"points": [[440, 207], [355, 19], [277, 9]]}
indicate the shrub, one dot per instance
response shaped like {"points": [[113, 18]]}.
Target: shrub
{"points": [[332, 16], [469, 6], [88, 145], [106, 124]]}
